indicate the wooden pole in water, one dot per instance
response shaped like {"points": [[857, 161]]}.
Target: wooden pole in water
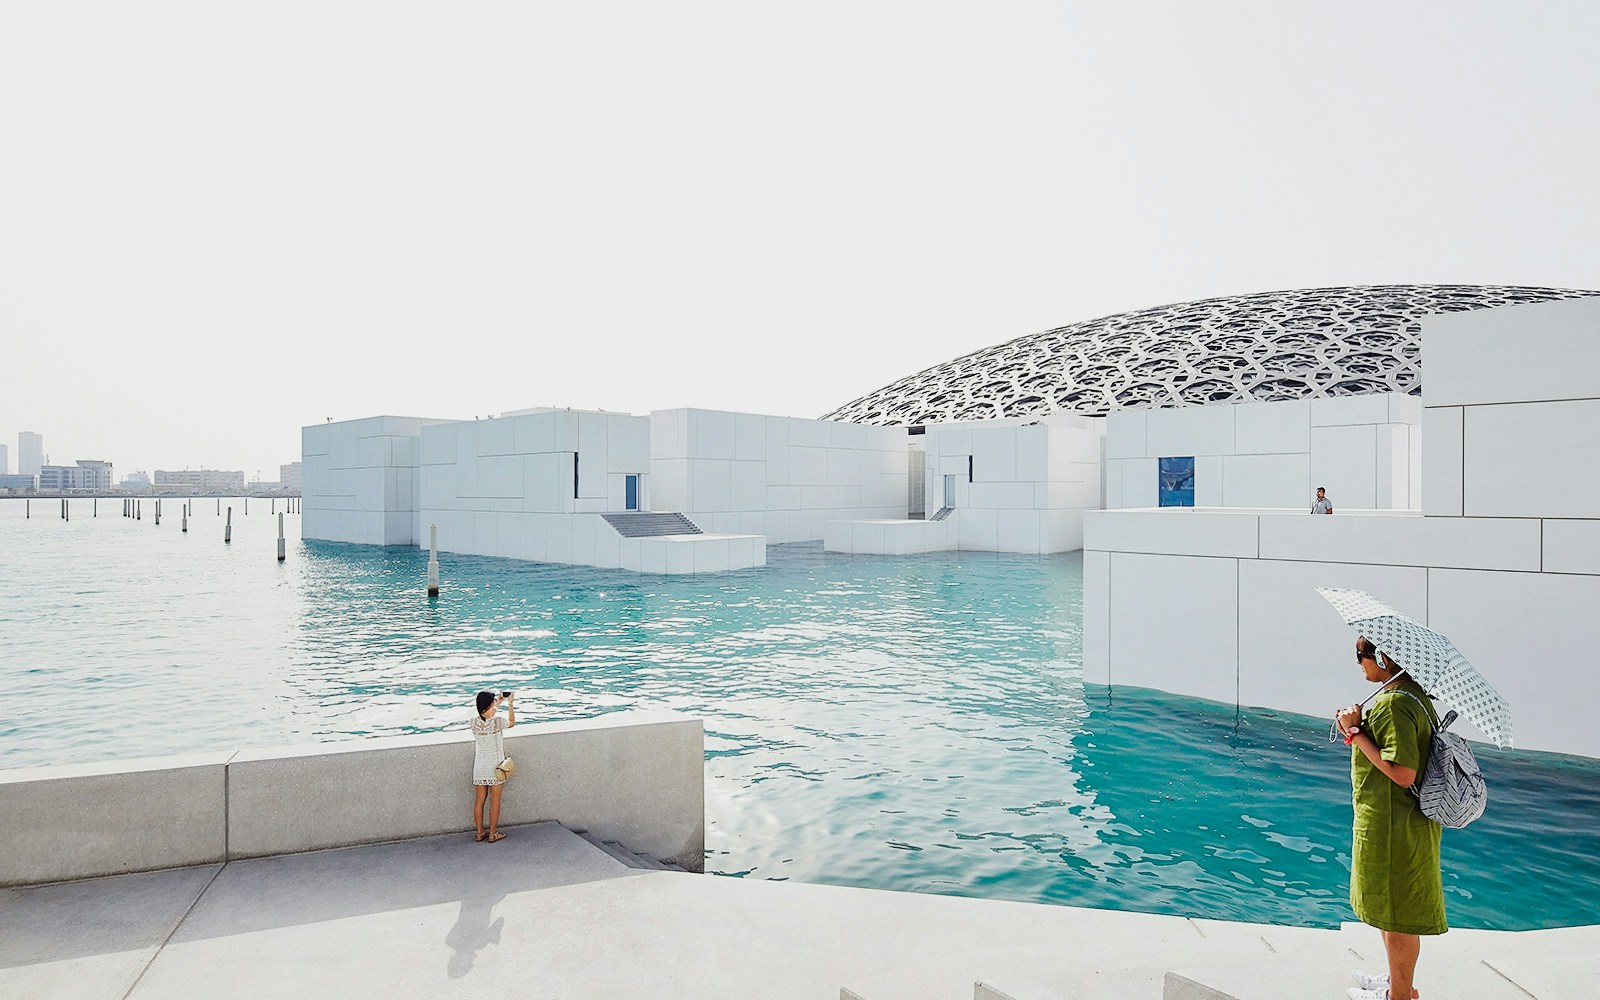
{"points": [[185, 519], [138, 510], [227, 531], [433, 560], [96, 511], [27, 508], [247, 505], [219, 506], [280, 538]]}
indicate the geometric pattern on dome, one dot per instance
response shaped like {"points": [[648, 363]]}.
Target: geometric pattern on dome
{"points": [[1311, 342]]}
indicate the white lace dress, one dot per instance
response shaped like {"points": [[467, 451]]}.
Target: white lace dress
{"points": [[489, 735]]}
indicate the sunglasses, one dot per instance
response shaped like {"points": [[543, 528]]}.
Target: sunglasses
{"points": [[1364, 656]]}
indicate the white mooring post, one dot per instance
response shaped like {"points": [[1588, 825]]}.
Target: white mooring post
{"points": [[280, 538], [158, 513], [247, 505], [138, 510], [96, 511], [227, 531], [433, 560], [185, 519]]}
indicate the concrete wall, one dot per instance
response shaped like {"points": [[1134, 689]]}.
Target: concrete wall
{"points": [[1365, 449], [781, 477], [1020, 486], [637, 778], [359, 480], [891, 537]]}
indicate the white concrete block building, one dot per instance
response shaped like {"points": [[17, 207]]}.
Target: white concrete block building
{"points": [[780, 477], [1006, 485], [1504, 556], [1366, 450], [360, 480]]}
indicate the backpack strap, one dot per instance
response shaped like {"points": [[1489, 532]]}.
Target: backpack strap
{"points": [[1431, 713]]}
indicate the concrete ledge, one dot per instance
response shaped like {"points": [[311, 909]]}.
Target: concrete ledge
{"points": [[637, 778], [1404, 539], [83, 821], [1173, 531]]}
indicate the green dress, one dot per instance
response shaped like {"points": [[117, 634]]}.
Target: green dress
{"points": [[1395, 884]]}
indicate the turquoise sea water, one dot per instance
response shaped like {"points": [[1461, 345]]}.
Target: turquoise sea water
{"points": [[916, 723]]}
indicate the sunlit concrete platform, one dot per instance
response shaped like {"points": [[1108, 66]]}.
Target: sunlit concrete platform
{"points": [[546, 913]]}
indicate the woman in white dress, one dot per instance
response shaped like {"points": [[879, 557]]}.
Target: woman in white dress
{"points": [[488, 732]]}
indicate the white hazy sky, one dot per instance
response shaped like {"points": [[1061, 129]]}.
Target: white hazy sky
{"points": [[221, 221]]}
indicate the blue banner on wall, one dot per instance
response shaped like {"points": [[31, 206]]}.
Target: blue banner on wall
{"points": [[1177, 482]]}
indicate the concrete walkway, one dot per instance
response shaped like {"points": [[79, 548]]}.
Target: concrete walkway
{"points": [[547, 914]]}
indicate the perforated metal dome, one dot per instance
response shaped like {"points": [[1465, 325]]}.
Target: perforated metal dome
{"points": [[1261, 347]]}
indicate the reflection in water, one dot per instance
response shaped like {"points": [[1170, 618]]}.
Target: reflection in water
{"points": [[916, 723]]}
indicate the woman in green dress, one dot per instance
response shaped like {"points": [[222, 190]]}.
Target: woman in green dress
{"points": [[1395, 882]]}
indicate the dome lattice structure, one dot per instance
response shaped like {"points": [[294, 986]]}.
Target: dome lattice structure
{"points": [[1268, 346]]}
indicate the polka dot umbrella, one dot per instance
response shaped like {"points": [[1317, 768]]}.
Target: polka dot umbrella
{"points": [[1429, 657]]}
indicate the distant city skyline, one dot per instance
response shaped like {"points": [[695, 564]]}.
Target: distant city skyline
{"points": [[36, 441], [746, 207]]}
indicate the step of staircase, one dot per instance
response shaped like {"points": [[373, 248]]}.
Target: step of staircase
{"points": [[651, 524], [940, 514], [633, 859]]}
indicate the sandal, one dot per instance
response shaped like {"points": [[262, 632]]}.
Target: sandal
{"points": [[478, 839], [495, 837]]}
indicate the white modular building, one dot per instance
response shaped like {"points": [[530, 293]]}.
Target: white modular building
{"points": [[1366, 451], [1003, 485], [548, 485], [1503, 555], [782, 478]]}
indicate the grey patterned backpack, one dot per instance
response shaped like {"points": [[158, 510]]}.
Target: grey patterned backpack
{"points": [[1450, 790]]}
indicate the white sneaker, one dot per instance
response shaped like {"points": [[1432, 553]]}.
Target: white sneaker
{"points": [[1358, 993], [1367, 981], [1377, 985]]}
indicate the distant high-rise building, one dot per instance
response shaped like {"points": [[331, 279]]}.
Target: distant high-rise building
{"points": [[289, 476], [201, 480], [94, 474], [5, 460], [30, 453], [88, 474]]}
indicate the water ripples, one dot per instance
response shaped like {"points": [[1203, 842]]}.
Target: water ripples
{"points": [[916, 724]]}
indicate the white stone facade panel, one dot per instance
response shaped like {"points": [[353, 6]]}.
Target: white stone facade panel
{"points": [[1173, 623], [1531, 460]]}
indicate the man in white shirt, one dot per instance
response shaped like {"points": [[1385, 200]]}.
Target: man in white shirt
{"points": [[1323, 504]]}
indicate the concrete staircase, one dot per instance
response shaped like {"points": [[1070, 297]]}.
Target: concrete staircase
{"points": [[633, 859], [650, 524], [1224, 961], [940, 514]]}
